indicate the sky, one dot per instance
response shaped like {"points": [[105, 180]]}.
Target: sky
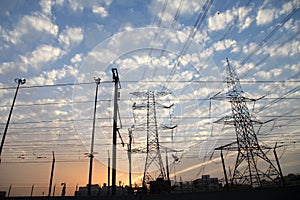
{"points": [[176, 49]]}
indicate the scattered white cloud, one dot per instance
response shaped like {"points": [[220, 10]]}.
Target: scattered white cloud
{"points": [[291, 48], [249, 48], [224, 44], [100, 10], [98, 7], [31, 26], [2, 93], [42, 55], [76, 5], [246, 23], [70, 36], [295, 67], [237, 16], [243, 16], [292, 25], [52, 76], [190, 58], [265, 16], [268, 75], [59, 2], [187, 9], [287, 7], [60, 113], [40, 80], [220, 21], [46, 6], [77, 58], [126, 27], [207, 53], [242, 70], [7, 67]]}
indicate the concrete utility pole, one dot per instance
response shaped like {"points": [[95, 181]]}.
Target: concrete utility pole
{"points": [[32, 187], [167, 166], [19, 81], [115, 129], [129, 157], [91, 155], [278, 164], [108, 174], [52, 172]]}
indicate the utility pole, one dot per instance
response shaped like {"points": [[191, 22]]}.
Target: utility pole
{"points": [[167, 166], [278, 164], [9, 190], [129, 157], [224, 169], [108, 174], [19, 81], [52, 172], [32, 187], [223, 165], [54, 187], [91, 155], [115, 129]]}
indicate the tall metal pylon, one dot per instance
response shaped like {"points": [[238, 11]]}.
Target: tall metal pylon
{"points": [[153, 151], [252, 166]]}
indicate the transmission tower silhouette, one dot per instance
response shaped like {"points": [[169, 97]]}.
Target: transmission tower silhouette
{"points": [[153, 158], [252, 166]]}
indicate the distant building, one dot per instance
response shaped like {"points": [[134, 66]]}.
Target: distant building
{"points": [[207, 184], [292, 179], [160, 186], [96, 190], [2, 193], [83, 191]]}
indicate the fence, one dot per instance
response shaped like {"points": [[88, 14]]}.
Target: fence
{"points": [[15, 190]]}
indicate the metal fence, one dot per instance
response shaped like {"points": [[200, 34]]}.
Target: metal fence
{"points": [[15, 190]]}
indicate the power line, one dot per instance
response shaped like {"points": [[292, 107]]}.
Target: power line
{"points": [[264, 41], [53, 85], [192, 34], [124, 99], [279, 99], [154, 81]]}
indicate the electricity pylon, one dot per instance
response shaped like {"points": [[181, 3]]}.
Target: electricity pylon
{"points": [[252, 166], [153, 151]]}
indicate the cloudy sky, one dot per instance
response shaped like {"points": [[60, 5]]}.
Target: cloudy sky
{"points": [[176, 49]]}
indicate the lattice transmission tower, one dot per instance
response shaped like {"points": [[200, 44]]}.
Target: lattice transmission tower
{"points": [[252, 166], [153, 150]]}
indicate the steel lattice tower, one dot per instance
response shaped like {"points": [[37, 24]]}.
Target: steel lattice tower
{"points": [[153, 151], [252, 166]]}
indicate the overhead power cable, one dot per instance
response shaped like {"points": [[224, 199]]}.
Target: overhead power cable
{"points": [[53, 85], [279, 99], [264, 41], [192, 34], [155, 81]]}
